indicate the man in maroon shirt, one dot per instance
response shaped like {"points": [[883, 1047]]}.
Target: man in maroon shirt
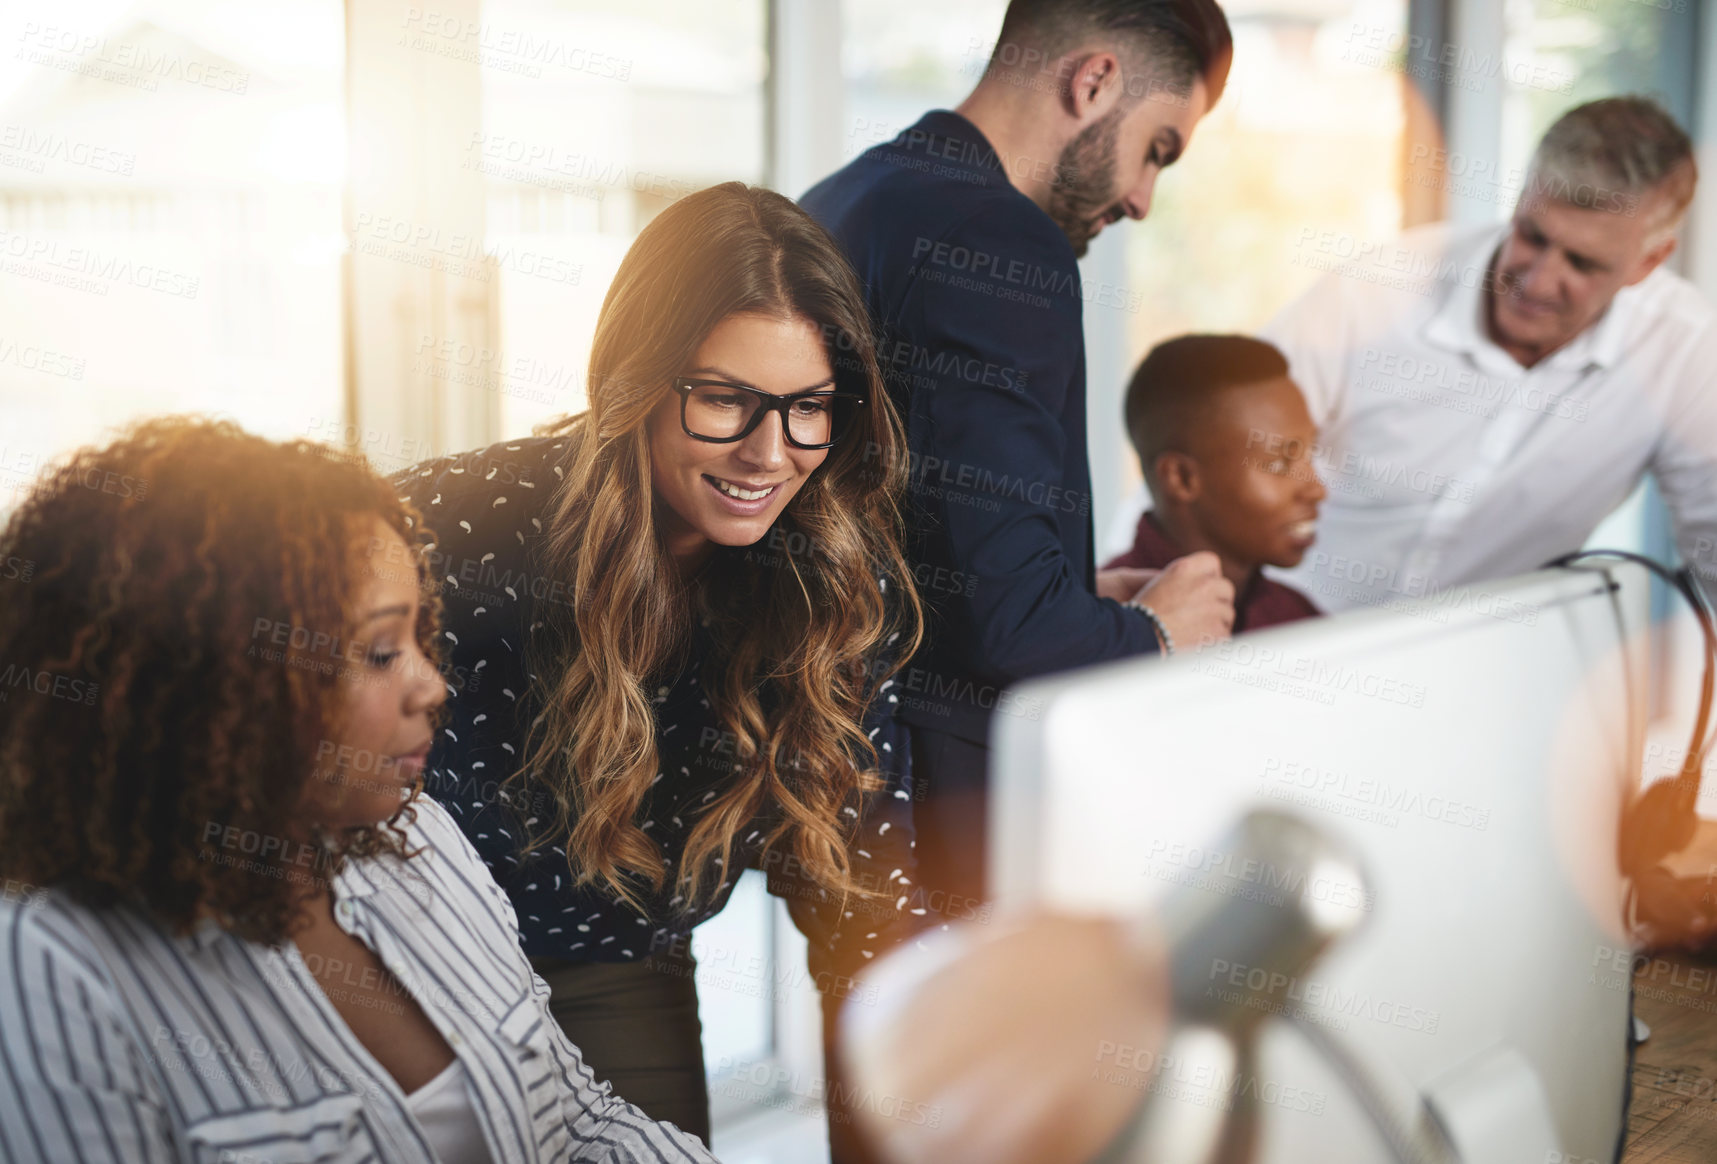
{"points": [[1226, 446]]}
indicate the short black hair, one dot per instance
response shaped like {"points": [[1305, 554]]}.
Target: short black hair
{"points": [[1180, 377], [1180, 39]]}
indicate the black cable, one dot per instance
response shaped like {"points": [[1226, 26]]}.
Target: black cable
{"points": [[1692, 768], [1664, 818], [1428, 1142], [1690, 588], [1693, 763]]}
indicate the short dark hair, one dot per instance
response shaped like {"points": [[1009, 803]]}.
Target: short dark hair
{"points": [[1181, 376], [1181, 39]]}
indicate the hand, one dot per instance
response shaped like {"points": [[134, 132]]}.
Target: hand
{"points": [[1123, 582], [994, 1029], [1193, 599]]}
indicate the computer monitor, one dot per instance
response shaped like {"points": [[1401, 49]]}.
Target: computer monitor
{"points": [[1472, 751]]}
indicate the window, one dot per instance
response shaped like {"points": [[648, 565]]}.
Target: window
{"points": [[1305, 142], [1301, 156], [902, 58], [1575, 51], [170, 219], [651, 100], [596, 116]]}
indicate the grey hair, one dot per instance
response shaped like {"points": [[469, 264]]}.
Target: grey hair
{"points": [[1611, 154]]}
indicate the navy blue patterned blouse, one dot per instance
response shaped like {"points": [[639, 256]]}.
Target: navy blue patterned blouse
{"points": [[487, 511]]}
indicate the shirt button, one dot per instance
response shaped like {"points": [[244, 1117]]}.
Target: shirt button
{"points": [[455, 1041], [343, 911]]}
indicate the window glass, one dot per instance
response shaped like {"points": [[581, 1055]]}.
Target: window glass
{"points": [[1574, 52], [170, 218], [596, 116], [618, 110], [902, 58]]}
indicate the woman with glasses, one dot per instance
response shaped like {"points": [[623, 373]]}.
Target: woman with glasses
{"points": [[674, 619]]}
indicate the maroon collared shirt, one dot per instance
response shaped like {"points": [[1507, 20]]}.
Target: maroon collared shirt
{"points": [[1261, 603]]}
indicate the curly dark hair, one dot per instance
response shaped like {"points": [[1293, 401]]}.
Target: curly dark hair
{"points": [[144, 706]]}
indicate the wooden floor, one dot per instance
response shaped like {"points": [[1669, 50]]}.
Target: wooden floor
{"points": [[1674, 1112], [1673, 1117]]}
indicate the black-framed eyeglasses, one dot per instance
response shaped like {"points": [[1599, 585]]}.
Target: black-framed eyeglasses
{"points": [[721, 412]]}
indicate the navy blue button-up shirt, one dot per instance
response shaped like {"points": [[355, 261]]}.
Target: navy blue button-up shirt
{"points": [[977, 295]]}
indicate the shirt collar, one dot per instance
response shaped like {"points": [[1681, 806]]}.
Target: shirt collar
{"points": [[948, 139], [1458, 325], [204, 934], [1154, 542], [350, 883]]}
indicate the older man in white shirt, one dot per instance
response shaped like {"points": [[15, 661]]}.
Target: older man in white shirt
{"points": [[1486, 396]]}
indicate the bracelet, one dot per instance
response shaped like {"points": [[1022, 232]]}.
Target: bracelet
{"points": [[1163, 636]]}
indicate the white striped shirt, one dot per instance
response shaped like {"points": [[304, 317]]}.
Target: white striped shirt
{"points": [[120, 1044]]}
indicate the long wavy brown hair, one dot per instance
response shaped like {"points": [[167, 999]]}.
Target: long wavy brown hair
{"points": [[155, 743], [803, 640]]}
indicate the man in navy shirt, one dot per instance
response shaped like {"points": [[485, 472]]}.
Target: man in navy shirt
{"points": [[965, 230]]}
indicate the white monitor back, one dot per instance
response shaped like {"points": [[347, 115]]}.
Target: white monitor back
{"points": [[1473, 753]]}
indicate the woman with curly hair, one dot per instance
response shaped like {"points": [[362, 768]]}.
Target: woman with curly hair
{"points": [[681, 611], [231, 928]]}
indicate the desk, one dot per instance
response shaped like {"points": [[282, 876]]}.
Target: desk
{"points": [[1673, 1116]]}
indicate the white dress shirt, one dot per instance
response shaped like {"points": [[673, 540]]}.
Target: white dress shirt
{"points": [[120, 1044], [1447, 463]]}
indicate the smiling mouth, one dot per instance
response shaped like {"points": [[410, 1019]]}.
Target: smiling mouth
{"points": [[1304, 530], [739, 492], [1511, 293]]}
